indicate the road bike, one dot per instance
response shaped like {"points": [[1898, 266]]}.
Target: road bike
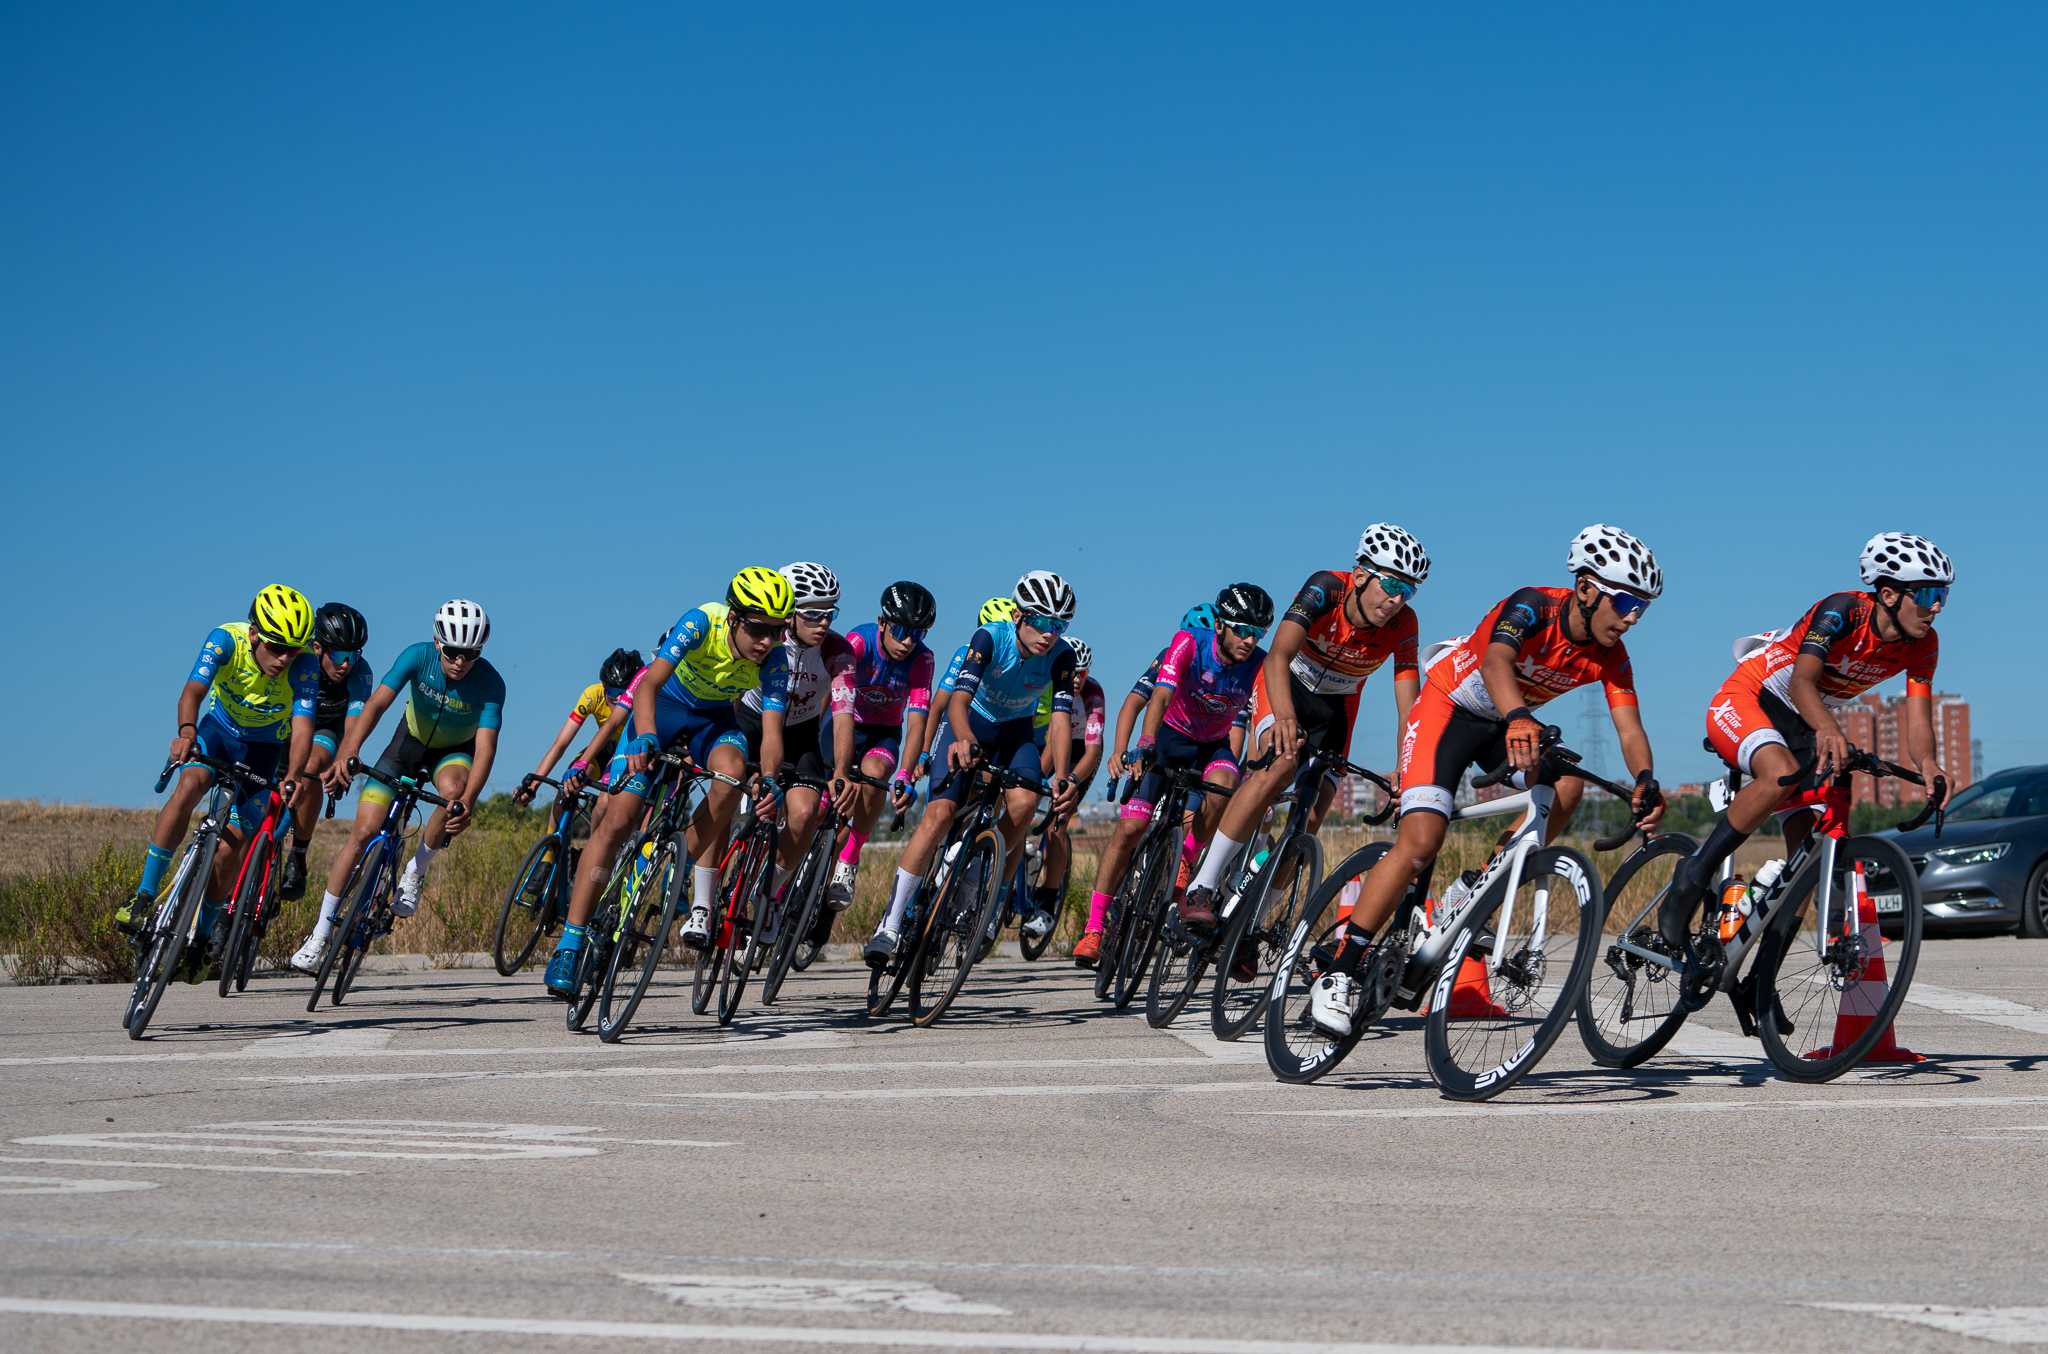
{"points": [[538, 900], [746, 924], [366, 912], [170, 930], [1029, 878], [1812, 942], [797, 912], [1145, 899], [254, 901], [1530, 922]]}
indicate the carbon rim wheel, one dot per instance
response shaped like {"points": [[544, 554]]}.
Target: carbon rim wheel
{"points": [[1261, 926], [1147, 916], [1177, 969], [807, 890], [953, 945], [629, 971], [525, 914], [1490, 1024], [746, 899], [593, 961], [248, 901], [1827, 995], [1630, 1008], [1033, 877], [362, 880], [1296, 1050]]}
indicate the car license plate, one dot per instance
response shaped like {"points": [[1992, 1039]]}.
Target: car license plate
{"points": [[1888, 902]]}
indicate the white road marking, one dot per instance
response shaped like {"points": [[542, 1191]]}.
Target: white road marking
{"points": [[870, 1067], [1695, 1040], [57, 1184], [2002, 1325], [1976, 1006], [677, 1333], [1194, 1031], [333, 1042], [376, 1139], [180, 1166], [1845, 1102], [813, 1295], [672, 1098]]}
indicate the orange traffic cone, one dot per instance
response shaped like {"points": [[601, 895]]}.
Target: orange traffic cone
{"points": [[1471, 996], [1861, 1003], [1347, 898]]}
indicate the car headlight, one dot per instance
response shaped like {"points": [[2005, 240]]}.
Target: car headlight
{"points": [[1971, 855]]}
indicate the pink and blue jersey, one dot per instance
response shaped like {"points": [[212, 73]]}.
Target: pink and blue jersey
{"points": [[875, 688], [1209, 694]]}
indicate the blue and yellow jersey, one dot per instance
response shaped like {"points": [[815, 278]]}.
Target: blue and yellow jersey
{"points": [[709, 673], [441, 713], [261, 707]]}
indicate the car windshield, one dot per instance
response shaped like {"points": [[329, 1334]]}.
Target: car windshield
{"points": [[2009, 794]]}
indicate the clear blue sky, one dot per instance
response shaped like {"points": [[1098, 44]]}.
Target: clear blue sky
{"points": [[575, 310]]}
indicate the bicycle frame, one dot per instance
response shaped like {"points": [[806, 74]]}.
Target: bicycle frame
{"points": [[1439, 933]]}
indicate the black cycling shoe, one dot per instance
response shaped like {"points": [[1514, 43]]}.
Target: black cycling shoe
{"points": [[821, 929], [291, 883], [131, 919], [1743, 997]]}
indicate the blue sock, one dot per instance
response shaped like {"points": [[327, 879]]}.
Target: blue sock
{"points": [[154, 862], [207, 912], [572, 938]]}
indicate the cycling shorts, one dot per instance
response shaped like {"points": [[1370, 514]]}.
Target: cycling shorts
{"points": [[408, 756], [224, 742], [1442, 739], [1174, 751], [869, 740], [1007, 744], [697, 729], [806, 743], [1741, 719], [1326, 719], [329, 735]]}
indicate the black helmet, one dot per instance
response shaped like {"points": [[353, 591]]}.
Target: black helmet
{"points": [[909, 604], [339, 626], [1244, 604], [619, 669]]}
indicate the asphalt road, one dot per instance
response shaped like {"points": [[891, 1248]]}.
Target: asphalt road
{"points": [[439, 1165]]}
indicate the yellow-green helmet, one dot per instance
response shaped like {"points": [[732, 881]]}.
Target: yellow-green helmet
{"points": [[763, 590], [283, 615], [997, 609]]}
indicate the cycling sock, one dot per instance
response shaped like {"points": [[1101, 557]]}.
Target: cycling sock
{"points": [[1098, 909], [423, 857], [704, 880], [855, 840], [1222, 850], [1189, 849], [899, 904], [572, 938], [154, 862], [1694, 874], [330, 907], [1357, 942], [1042, 897], [208, 911]]}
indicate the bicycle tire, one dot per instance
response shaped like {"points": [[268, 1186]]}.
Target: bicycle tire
{"points": [[593, 961], [745, 902], [1781, 935], [247, 903], [366, 868], [1621, 982], [1179, 964], [536, 870], [1141, 937], [1122, 922], [1296, 1051], [807, 885], [961, 920], [1034, 949], [642, 940], [167, 945], [1237, 1005], [1476, 1058]]}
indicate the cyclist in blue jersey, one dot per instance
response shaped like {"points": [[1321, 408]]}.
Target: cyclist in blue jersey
{"points": [[454, 703], [995, 694], [713, 655], [258, 687], [339, 634], [994, 609]]}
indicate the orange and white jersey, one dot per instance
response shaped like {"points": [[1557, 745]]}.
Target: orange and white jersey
{"points": [[1547, 663]]}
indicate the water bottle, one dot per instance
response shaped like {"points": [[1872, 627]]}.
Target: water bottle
{"points": [[1454, 898], [1734, 907]]}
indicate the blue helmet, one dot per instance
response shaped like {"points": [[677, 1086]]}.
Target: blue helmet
{"points": [[1200, 616]]}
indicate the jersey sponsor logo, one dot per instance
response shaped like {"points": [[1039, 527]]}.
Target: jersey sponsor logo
{"points": [[1516, 621], [1723, 714]]}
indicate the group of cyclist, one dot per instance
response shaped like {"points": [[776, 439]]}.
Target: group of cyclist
{"points": [[762, 693]]}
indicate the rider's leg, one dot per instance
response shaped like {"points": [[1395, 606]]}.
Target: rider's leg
{"points": [[371, 810], [1570, 790], [706, 838], [1741, 732], [1417, 841], [1116, 859], [1241, 818], [164, 837]]}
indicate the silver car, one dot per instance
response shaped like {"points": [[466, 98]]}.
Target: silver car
{"points": [[1989, 870]]}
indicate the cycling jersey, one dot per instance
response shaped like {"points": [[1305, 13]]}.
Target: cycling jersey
{"points": [[708, 672], [1336, 656], [1209, 694], [1149, 679], [877, 689], [597, 703], [257, 707], [1003, 682], [1839, 631], [341, 701], [1547, 663], [812, 670], [1088, 728], [953, 666], [441, 713]]}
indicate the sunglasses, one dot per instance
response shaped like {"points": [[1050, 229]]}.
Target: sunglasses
{"points": [[1626, 604], [1045, 625], [818, 617], [1243, 631], [903, 634], [455, 655], [1929, 596], [1400, 589], [764, 629], [343, 658], [264, 641]]}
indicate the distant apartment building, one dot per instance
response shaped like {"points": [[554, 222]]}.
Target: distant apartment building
{"points": [[1873, 723]]}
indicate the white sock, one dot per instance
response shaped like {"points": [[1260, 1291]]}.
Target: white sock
{"points": [[777, 877], [705, 878], [1222, 850], [899, 906], [330, 908], [423, 858]]}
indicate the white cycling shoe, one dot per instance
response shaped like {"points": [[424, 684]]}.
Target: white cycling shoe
{"points": [[410, 881], [839, 892], [1038, 925], [1333, 1004], [697, 930], [881, 948], [309, 955]]}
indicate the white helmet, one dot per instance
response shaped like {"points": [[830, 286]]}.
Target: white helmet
{"points": [[461, 624], [1613, 556], [1388, 547], [1901, 557], [815, 586], [1084, 657], [1046, 593]]}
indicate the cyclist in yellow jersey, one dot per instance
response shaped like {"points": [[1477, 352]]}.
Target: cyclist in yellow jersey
{"points": [[595, 703], [259, 687]]}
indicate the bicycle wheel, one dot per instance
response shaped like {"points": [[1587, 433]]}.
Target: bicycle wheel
{"points": [[746, 897], [1031, 875], [593, 961], [356, 897], [1296, 1050], [528, 907], [167, 943], [962, 919], [248, 901], [1543, 940], [1260, 925], [636, 954], [1630, 1008], [361, 937], [1152, 897], [800, 913], [1811, 988], [1178, 966]]}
